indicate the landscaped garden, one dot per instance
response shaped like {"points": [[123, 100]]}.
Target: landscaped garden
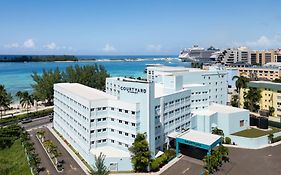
{"points": [[253, 132]]}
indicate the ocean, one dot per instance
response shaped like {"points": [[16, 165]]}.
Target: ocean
{"points": [[17, 76]]}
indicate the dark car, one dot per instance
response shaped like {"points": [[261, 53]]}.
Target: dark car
{"points": [[26, 120]]}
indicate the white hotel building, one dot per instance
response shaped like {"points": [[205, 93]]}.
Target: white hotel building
{"points": [[93, 121]]}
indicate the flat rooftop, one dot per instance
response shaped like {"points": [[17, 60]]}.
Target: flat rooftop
{"points": [[174, 69], [85, 91], [264, 84], [199, 137], [110, 151], [224, 108]]}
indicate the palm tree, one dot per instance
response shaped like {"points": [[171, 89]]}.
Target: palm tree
{"points": [[99, 167], [5, 99], [41, 134], [26, 99], [240, 83]]}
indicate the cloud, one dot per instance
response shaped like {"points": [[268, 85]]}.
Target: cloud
{"points": [[29, 43], [109, 48], [262, 42], [153, 47], [51, 46], [13, 45]]}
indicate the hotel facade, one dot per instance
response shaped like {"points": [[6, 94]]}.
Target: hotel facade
{"points": [[93, 121]]}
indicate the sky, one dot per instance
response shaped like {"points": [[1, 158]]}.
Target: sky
{"points": [[136, 27]]}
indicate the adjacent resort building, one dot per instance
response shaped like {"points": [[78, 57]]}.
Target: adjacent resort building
{"points": [[271, 95], [171, 101]]}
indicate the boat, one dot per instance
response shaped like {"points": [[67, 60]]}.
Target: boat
{"points": [[198, 54]]}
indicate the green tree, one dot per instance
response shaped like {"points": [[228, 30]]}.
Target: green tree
{"points": [[251, 99], [277, 80], [217, 131], [43, 88], [5, 99], [90, 75], [271, 109], [140, 154], [234, 100], [26, 99], [100, 167], [241, 82]]}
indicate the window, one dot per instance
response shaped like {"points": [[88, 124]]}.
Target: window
{"points": [[126, 134], [93, 131], [112, 109], [126, 111], [112, 141], [133, 124], [126, 123], [120, 132], [92, 120], [120, 110], [133, 112], [104, 108], [112, 130], [104, 129], [241, 123], [112, 119], [120, 121], [103, 119]]}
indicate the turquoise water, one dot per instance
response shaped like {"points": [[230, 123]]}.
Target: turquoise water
{"points": [[17, 76]]}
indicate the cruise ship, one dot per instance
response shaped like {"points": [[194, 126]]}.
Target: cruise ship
{"points": [[198, 54]]}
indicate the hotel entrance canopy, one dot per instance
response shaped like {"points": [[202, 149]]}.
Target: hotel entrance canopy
{"points": [[197, 139]]}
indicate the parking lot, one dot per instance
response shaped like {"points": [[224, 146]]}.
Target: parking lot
{"points": [[242, 161]]}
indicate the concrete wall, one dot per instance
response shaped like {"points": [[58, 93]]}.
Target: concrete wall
{"points": [[251, 143]]}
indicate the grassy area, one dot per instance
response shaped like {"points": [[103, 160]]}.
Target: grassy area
{"points": [[13, 160], [253, 132]]}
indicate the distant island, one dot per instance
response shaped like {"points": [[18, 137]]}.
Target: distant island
{"points": [[37, 58]]}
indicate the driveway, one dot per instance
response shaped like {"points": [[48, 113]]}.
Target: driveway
{"points": [[70, 165]]}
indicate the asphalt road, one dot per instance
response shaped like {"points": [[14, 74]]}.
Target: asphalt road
{"points": [[36, 123]]}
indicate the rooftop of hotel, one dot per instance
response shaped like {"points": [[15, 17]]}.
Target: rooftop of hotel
{"points": [[110, 151], [174, 69], [129, 79], [85, 91], [214, 108]]}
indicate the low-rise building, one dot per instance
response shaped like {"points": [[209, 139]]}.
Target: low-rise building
{"points": [[265, 73], [271, 95], [227, 118]]}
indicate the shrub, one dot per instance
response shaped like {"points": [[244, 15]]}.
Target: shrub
{"points": [[170, 154], [155, 165], [227, 140]]}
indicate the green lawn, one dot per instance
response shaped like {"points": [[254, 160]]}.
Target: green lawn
{"points": [[253, 133], [13, 160]]}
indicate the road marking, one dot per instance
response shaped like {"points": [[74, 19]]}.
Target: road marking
{"points": [[185, 170], [74, 168], [269, 155]]}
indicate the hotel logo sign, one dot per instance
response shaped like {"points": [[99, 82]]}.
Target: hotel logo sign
{"points": [[133, 90]]}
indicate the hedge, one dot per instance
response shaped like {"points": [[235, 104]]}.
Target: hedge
{"points": [[160, 161], [274, 124], [276, 139], [31, 115]]}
